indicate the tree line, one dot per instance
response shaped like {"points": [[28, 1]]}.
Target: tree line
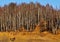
{"points": [[15, 17]]}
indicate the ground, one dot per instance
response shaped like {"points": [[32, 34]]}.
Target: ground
{"points": [[28, 37], [35, 36]]}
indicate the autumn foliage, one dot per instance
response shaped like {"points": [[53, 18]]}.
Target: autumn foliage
{"points": [[27, 17]]}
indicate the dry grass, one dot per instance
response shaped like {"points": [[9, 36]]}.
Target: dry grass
{"points": [[24, 36], [29, 36]]}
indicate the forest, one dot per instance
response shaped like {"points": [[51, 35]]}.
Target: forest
{"points": [[25, 16]]}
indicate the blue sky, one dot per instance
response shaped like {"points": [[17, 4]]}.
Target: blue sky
{"points": [[54, 3]]}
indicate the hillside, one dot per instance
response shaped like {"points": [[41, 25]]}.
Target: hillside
{"points": [[31, 22]]}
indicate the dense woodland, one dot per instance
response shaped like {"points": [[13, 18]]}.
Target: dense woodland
{"points": [[15, 17]]}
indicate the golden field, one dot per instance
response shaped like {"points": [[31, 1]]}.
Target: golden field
{"points": [[28, 37]]}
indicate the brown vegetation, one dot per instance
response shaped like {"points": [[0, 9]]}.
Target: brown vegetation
{"points": [[29, 17]]}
